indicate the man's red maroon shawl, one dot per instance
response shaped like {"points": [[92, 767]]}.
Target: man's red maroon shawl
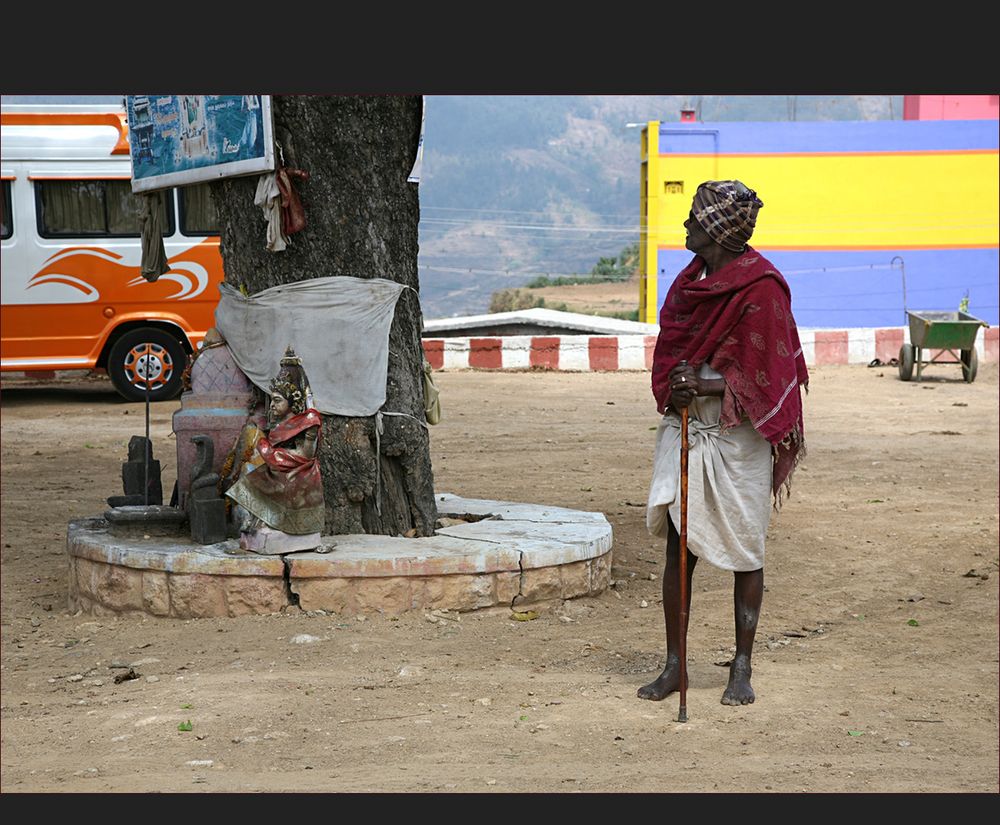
{"points": [[739, 320]]}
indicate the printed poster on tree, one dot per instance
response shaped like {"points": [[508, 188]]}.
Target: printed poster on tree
{"points": [[182, 139]]}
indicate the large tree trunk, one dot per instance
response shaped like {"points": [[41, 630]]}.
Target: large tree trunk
{"points": [[362, 220]]}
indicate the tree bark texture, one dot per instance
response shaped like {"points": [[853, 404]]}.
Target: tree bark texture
{"points": [[362, 220]]}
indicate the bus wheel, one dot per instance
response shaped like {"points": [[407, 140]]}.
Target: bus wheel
{"points": [[144, 358]]}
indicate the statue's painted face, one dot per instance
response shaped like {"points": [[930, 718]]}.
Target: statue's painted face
{"points": [[279, 406]]}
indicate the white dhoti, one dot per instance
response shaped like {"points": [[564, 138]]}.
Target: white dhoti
{"points": [[729, 485]]}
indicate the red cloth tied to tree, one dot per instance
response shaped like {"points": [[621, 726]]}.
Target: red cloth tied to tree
{"points": [[739, 321]]}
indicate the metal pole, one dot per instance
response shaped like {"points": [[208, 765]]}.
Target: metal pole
{"points": [[682, 647], [146, 446], [902, 272]]}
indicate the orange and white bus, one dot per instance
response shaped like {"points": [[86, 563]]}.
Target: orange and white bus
{"points": [[72, 293]]}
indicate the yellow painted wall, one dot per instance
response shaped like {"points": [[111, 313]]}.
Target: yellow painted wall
{"points": [[890, 201], [898, 201]]}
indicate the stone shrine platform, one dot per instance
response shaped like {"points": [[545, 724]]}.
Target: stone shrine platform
{"points": [[514, 554]]}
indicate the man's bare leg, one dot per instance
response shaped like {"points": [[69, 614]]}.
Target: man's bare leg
{"points": [[748, 592], [669, 681]]}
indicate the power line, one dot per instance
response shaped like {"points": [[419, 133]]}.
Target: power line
{"points": [[506, 272], [911, 291], [625, 216], [534, 226]]}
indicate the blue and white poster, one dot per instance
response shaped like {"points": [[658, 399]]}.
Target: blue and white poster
{"points": [[181, 139]]}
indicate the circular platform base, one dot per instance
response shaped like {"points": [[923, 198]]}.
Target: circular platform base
{"points": [[514, 554]]}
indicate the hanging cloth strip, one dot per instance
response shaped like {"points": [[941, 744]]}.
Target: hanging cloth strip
{"points": [[338, 326], [154, 254], [268, 198]]}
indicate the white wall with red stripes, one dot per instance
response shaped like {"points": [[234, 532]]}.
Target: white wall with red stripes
{"points": [[583, 353]]}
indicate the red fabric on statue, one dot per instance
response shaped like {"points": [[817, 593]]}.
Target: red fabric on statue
{"points": [[288, 481], [739, 320]]}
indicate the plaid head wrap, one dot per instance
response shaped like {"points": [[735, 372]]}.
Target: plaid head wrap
{"points": [[727, 211]]}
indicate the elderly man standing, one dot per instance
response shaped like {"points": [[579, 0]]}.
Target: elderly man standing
{"points": [[728, 350]]}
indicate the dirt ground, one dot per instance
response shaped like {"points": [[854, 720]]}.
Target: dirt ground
{"points": [[875, 666]]}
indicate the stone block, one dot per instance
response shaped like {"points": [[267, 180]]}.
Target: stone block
{"points": [[119, 588], [600, 573], [334, 595], [86, 577], [540, 584], [197, 596], [460, 591], [427, 592], [253, 595], [574, 579], [389, 595], [137, 522], [208, 520], [72, 588], [482, 590], [508, 585], [134, 480], [156, 592]]}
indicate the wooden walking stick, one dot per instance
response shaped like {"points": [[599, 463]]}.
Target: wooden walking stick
{"points": [[682, 715]]}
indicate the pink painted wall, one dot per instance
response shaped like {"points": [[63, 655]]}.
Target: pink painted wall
{"points": [[951, 107]]}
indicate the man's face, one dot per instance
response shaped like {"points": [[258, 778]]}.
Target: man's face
{"points": [[696, 239]]}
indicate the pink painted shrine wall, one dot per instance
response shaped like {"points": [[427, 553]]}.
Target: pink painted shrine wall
{"points": [[951, 107]]}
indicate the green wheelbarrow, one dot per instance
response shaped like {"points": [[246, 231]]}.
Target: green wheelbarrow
{"points": [[951, 333]]}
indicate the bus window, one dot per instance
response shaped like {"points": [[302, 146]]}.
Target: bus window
{"points": [[198, 215], [92, 208], [6, 219]]}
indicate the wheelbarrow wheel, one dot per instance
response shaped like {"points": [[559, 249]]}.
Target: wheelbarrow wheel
{"points": [[970, 364], [906, 362]]}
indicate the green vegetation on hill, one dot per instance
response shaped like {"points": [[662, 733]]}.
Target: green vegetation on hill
{"points": [[509, 300], [613, 269], [606, 270]]}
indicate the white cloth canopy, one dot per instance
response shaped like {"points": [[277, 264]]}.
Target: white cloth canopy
{"points": [[338, 326]]}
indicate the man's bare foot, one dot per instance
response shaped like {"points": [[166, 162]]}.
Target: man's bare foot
{"points": [[738, 691], [663, 685]]}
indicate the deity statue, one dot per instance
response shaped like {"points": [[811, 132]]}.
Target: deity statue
{"points": [[279, 491]]}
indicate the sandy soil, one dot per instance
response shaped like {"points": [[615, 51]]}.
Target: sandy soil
{"points": [[876, 658]]}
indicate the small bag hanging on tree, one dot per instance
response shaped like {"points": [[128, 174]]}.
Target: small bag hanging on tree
{"points": [[432, 396], [293, 215]]}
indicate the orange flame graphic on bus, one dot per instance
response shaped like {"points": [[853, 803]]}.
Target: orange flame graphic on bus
{"points": [[99, 273]]}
